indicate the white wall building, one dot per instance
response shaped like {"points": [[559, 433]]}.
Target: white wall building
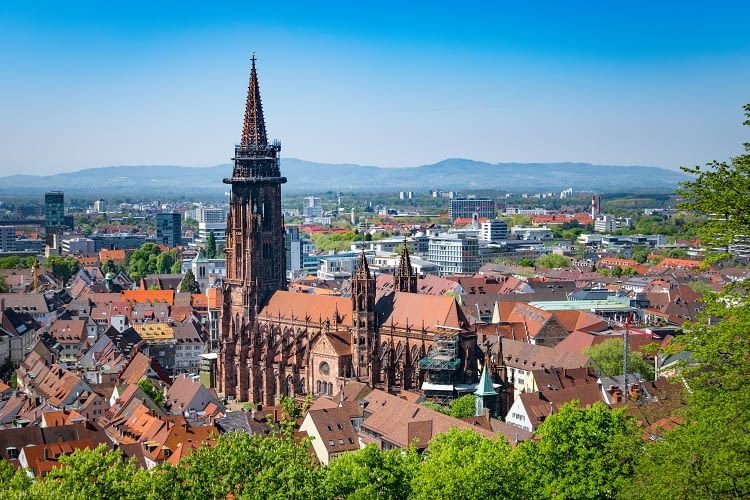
{"points": [[494, 230], [531, 233]]}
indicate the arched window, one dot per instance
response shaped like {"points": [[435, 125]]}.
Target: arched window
{"points": [[317, 387], [302, 387]]}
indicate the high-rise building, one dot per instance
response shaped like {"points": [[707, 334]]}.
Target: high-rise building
{"points": [[294, 254], [7, 239], [466, 207], [100, 206], [169, 229], [54, 209]]}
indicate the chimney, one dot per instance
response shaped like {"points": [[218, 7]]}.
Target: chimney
{"points": [[593, 206]]}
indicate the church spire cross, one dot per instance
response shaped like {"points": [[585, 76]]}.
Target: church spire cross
{"points": [[254, 126]]}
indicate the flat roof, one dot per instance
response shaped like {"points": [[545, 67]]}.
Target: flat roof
{"points": [[582, 305]]}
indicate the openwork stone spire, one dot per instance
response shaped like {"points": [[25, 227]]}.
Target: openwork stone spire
{"points": [[404, 278], [363, 270], [254, 126]]}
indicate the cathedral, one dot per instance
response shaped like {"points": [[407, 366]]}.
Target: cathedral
{"points": [[276, 342]]}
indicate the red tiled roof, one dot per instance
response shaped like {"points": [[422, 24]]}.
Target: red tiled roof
{"points": [[149, 296], [301, 305]]}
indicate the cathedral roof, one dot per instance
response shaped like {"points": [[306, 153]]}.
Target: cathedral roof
{"points": [[296, 305], [413, 310]]}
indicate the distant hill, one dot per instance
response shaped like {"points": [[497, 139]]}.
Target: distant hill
{"points": [[306, 176]]}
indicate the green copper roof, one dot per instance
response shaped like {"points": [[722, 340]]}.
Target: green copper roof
{"points": [[200, 257], [485, 387]]}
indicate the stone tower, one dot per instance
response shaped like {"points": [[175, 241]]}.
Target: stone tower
{"points": [[364, 343], [255, 255]]}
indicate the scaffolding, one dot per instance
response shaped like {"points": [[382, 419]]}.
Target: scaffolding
{"points": [[442, 362]]}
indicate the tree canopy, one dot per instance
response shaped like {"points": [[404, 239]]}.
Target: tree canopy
{"points": [[210, 246], [149, 259], [152, 391], [64, 267], [580, 453], [189, 284], [552, 261], [609, 356]]}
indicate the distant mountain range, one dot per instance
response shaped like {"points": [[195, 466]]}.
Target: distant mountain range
{"points": [[311, 177]]}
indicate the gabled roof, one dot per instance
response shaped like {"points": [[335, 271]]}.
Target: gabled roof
{"points": [[402, 423], [303, 305], [541, 404], [151, 296], [530, 357], [335, 428], [414, 310]]}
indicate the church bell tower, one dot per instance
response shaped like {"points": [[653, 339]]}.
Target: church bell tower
{"points": [[255, 253]]}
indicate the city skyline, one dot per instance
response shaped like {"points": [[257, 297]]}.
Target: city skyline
{"points": [[94, 87]]}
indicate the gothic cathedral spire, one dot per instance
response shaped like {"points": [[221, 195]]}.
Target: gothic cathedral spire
{"points": [[254, 126], [404, 278]]}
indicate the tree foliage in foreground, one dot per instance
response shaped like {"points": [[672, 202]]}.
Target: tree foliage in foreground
{"points": [[708, 456], [580, 454], [721, 192]]}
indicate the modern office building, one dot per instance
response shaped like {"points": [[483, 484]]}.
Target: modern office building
{"points": [[531, 233], [219, 230], [610, 224], [454, 253], [294, 253], [466, 207], [494, 230], [118, 241], [169, 229], [7, 239], [77, 246], [211, 215], [54, 209]]}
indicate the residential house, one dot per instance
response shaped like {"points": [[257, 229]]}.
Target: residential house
{"points": [[331, 431]]}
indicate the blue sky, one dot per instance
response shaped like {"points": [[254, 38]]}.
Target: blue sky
{"points": [[387, 83]]}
